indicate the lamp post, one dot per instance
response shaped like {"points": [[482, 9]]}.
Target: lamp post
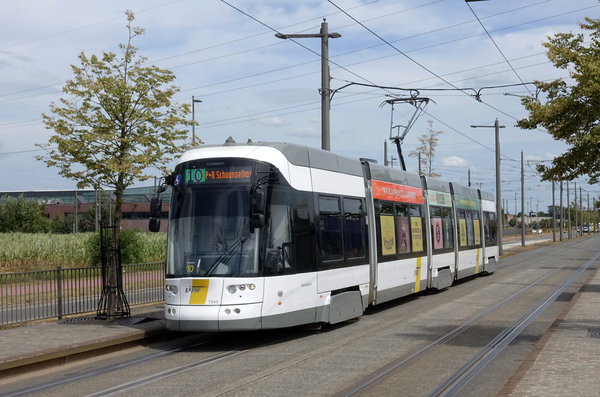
{"points": [[325, 98], [498, 183], [194, 101]]}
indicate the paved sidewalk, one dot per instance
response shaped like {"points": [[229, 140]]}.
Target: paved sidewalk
{"points": [[46, 343], [566, 361]]}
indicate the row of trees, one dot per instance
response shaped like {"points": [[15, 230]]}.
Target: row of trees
{"points": [[19, 215]]}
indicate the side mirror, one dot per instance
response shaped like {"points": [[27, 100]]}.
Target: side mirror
{"points": [[155, 207], [257, 211], [154, 225]]}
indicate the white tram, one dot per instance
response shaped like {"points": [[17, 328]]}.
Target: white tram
{"points": [[271, 235]]}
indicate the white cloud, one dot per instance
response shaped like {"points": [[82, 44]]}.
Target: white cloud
{"points": [[303, 132], [272, 121], [454, 161]]}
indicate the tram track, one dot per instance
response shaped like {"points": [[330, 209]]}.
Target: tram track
{"points": [[457, 381], [136, 386]]}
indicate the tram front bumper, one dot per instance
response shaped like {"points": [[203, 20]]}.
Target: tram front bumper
{"points": [[214, 318]]}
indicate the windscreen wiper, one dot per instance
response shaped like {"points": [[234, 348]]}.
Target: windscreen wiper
{"points": [[226, 255]]}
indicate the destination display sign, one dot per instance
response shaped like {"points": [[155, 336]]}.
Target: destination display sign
{"points": [[214, 175], [466, 203], [394, 192]]}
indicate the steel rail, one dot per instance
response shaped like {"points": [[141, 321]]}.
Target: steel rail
{"points": [[457, 381], [400, 365]]}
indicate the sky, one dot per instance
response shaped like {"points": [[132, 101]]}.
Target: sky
{"points": [[255, 86]]}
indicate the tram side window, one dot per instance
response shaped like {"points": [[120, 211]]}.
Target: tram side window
{"points": [[462, 227], [476, 228], [403, 227], [493, 227], [470, 228], [388, 230], [486, 227], [278, 234], [437, 228], [416, 227], [353, 228], [331, 228], [447, 224]]}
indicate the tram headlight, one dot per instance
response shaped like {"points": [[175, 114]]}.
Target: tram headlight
{"points": [[172, 288], [232, 289], [252, 287], [242, 287]]}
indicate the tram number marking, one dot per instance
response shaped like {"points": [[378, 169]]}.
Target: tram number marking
{"points": [[190, 267], [213, 301]]}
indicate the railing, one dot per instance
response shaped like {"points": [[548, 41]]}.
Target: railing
{"points": [[38, 295]]}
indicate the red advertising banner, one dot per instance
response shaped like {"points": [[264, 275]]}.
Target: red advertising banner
{"points": [[393, 192]]}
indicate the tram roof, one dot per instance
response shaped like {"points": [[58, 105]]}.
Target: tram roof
{"points": [[304, 156]]}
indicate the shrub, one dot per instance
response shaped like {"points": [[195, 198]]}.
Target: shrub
{"points": [[21, 215], [131, 242]]}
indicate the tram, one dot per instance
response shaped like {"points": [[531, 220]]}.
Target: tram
{"points": [[272, 235]]}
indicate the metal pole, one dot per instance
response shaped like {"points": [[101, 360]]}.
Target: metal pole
{"points": [[581, 206], [562, 218], [498, 187], [325, 91], [568, 213], [553, 216], [516, 212], [193, 124], [588, 200], [325, 97], [522, 201], [576, 219], [76, 205], [385, 160]]}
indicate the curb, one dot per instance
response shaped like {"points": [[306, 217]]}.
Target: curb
{"points": [[17, 365]]}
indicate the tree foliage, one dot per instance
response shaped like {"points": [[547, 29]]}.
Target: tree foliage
{"points": [[18, 214], [119, 121], [571, 113], [429, 142]]}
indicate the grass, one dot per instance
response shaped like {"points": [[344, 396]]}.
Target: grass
{"points": [[21, 252]]}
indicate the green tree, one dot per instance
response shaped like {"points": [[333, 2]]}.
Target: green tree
{"points": [[119, 121], [429, 142], [20, 215], [571, 114]]}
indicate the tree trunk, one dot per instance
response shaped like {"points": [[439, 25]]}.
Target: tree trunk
{"points": [[113, 297]]}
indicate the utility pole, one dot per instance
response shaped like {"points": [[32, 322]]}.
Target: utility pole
{"points": [[385, 161], [469, 176], [562, 219], [576, 219], [553, 216], [325, 78], [75, 228], [497, 127], [194, 101], [589, 225], [568, 213], [522, 201]]}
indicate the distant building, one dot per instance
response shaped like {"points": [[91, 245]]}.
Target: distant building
{"points": [[135, 208]]}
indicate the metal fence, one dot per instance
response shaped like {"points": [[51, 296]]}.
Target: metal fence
{"points": [[29, 296]]}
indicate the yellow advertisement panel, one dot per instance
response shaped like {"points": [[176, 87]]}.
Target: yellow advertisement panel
{"points": [[388, 235], [462, 231], [477, 231], [416, 228], [199, 292]]}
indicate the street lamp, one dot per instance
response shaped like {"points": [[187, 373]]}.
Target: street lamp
{"points": [[325, 98], [194, 120], [498, 193]]}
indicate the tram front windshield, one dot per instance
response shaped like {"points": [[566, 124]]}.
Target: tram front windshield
{"points": [[209, 232]]}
